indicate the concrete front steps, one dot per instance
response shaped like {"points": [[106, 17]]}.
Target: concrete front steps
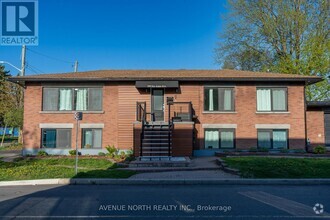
{"points": [[172, 164], [160, 162]]}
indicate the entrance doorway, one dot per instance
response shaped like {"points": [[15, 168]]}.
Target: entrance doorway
{"points": [[157, 104]]}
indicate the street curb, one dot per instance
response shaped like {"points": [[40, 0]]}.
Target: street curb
{"points": [[167, 182], [168, 169]]}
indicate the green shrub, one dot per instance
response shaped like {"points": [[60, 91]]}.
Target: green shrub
{"points": [[42, 153], [129, 155], [263, 149], [253, 149], [122, 155], [101, 154], [72, 152], [319, 150], [112, 151]]}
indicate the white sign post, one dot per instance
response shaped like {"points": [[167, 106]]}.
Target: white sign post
{"points": [[77, 117]]}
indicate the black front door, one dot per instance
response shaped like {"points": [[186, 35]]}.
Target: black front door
{"points": [[157, 104]]}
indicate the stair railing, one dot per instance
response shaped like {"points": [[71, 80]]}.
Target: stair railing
{"points": [[141, 116]]}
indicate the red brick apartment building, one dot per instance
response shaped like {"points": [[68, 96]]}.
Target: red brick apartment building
{"points": [[166, 112]]}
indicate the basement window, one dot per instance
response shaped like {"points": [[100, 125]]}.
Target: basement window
{"points": [[223, 138], [56, 138]]}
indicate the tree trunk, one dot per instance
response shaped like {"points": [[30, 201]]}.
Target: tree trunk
{"points": [[20, 136], [3, 136]]}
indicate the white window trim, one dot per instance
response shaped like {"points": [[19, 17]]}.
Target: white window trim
{"points": [[91, 125], [219, 126], [272, 126], [55, 125]]}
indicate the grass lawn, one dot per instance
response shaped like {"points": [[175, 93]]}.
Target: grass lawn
{"points": [[48, 167], [265, 167], [11, 147]]}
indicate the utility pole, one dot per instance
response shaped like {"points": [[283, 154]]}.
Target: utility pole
{"points": [[23, 60], [75, 66]]}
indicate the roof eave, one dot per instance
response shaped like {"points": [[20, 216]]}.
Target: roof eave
{"points": [[308, 81]]}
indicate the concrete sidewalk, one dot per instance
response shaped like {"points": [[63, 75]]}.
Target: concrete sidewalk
{"points": [[10, 155], [186, 175], [198, 163], [237, 181]]}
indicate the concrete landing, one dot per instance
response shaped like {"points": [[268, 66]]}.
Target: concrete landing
{"points": [[160, 162], [199, 163]]}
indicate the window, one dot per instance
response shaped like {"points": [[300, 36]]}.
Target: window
{"points": [[65, 101], [219, 138], [56, 138], [69, 99], [92, 138], [50, 97], [273, 139], [271, 99], [218, 99]]}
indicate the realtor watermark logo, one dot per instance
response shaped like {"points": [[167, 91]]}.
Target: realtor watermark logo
{"points": [[19, 22]]}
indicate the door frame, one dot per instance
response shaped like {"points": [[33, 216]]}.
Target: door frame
{"points": [[326, 112], [152, 102]]}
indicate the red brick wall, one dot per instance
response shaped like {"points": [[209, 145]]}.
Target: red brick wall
{"points": [[315, 127], [119, 105], [33, 117], [246, 118]]}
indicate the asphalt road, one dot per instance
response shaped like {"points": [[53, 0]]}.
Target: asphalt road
{"points": [[164, 202]]}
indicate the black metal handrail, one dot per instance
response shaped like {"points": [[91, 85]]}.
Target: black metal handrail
{"points": [[140, 111], [141, 116]]}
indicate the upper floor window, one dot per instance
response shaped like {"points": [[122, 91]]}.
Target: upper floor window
{"points": [[272, 99], [69, 99], [218, 99]]}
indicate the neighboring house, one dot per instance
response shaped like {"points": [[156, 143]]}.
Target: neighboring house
{"points": [[9, 131], [212, 110], [318, 123]]}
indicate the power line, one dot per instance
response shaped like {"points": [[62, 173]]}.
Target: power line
{"points": [[41, 71], [34, 69], [49, 57]]}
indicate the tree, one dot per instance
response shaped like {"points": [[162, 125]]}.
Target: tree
{"points": [[11, 102], [14, 118], [287, 36]]}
